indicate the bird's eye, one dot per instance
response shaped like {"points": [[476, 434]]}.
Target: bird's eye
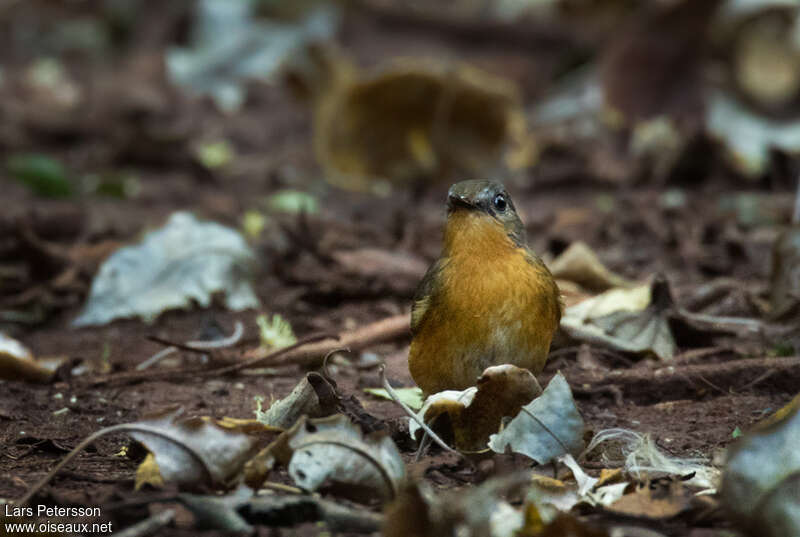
{"points": [[500, 202]]}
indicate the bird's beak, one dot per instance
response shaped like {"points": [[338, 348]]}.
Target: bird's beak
{"points": [[458, 200]]}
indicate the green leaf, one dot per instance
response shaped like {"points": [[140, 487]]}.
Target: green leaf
{"points": [[737, 432], [412, 397], [215, 155], [292, 201], [275, 334], [44, 175]]}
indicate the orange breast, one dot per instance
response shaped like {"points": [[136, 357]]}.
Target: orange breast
{"points": [[492, 306]]}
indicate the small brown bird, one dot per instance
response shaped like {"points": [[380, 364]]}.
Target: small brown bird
{"points": [[488, 300]]}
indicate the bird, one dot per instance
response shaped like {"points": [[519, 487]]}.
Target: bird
{"points": [[487, 300]]}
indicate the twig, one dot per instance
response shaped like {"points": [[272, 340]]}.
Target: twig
{"points": [[138, 376], [649, 384], [163, 353], [71, 455], [148, 526], [230, 341], [754, 325], [355, 340], [198, 346], [174, 344], [396, 399]]}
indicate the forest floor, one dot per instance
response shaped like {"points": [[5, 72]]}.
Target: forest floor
{"points": [[715, 261]]}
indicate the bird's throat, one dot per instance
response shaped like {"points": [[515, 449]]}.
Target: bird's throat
{"points": [[475, 234]]}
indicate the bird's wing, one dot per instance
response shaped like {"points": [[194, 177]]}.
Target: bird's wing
{"points": [[426, 292]]}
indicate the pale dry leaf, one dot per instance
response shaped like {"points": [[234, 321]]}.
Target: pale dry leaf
{"points": [[580, 264], [748, 136], [334, 450], [631, 320], [546, 428], [303, 400], [185, 261], [17, 362]]}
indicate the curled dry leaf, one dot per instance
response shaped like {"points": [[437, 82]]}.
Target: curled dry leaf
{"points": [[185, 261], [477, 412], [413, 120], [580, 264], [761, 481], [632, 320], [546, 428], [304, 399], [332, 451], [198, 451], [17, 362]]}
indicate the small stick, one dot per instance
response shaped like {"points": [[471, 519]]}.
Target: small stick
{"points": [[136, 376], [71, 455], [396, 399], [199, 346], [311, 355]]}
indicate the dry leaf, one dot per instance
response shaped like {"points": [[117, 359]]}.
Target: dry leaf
{"points": [[17, 362], [198, 451], [303, 400], [552, 496], [654, 501], [477, 413], [546, 428], [184, 262], [580, 264], [748, 136], [332, 451], [475, 512], [631, 320], [411, 121], [761, 482], [192, 452]]}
